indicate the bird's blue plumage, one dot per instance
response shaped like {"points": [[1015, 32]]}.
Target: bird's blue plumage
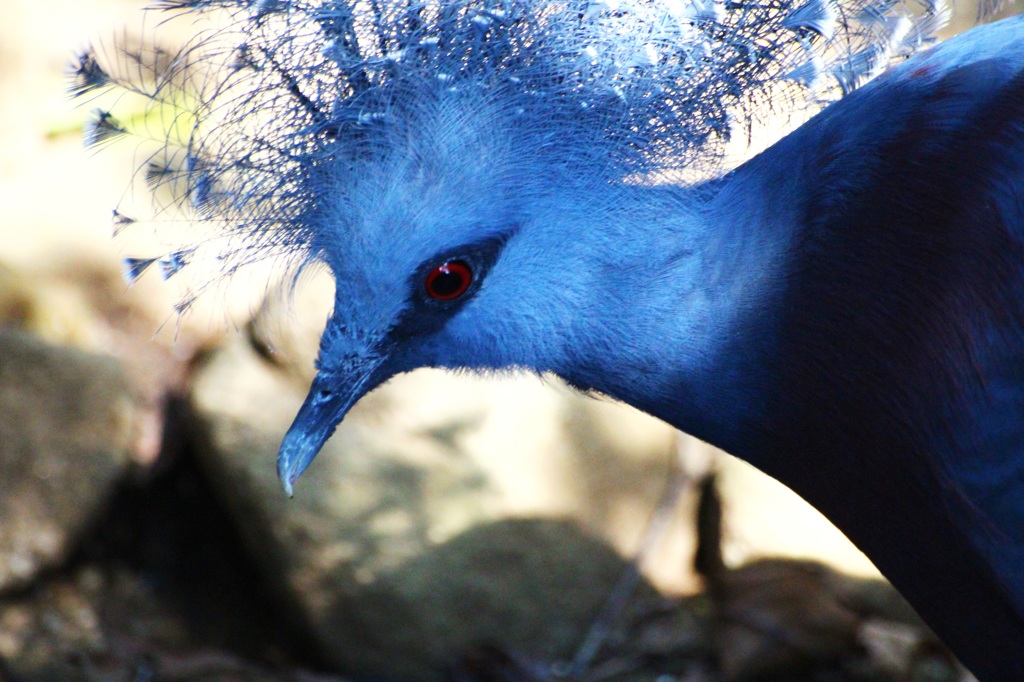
{"points": [[845, 310], [900, 328]]}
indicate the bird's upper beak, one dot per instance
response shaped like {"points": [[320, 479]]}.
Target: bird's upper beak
{"points": [[331, 396]]}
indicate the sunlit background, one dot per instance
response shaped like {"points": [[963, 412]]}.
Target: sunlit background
{"points": [[549, 452]]}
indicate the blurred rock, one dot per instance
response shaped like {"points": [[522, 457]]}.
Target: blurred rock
{"points": [[50, 309], [911, 652], [159, 588], [490, 663], [69, 422], [87, 306], [671, 637], [783, 619], [781, 615], [42, 639], [99, 626]]}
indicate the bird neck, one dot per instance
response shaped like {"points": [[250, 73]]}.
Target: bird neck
{"points": [[893, 322], [677, 287], [865, 351]]}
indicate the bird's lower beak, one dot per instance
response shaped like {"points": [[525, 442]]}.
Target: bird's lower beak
{"points": [[330, 398]]}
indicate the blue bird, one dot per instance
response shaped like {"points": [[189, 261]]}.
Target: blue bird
{"points": [[503, 184]]}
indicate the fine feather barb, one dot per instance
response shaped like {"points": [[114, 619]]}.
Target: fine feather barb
{"points": [[253, 122]]}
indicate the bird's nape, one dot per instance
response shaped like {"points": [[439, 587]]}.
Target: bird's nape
{"points": [[517, 185]]}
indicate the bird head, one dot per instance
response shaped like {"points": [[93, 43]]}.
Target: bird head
{"points": [[421, 245]]}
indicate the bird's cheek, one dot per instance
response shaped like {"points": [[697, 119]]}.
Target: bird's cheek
{"points": [[416, 352]]}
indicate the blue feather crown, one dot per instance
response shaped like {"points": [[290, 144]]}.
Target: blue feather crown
{"points": [[249, 125]]}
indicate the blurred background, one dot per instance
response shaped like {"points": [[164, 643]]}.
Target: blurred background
{"points": [[454, 527]]}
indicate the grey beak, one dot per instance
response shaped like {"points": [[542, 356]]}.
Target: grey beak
{"points": [[330, 397]]}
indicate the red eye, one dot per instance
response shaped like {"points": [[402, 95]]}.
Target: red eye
{"points": [[449, 280]]}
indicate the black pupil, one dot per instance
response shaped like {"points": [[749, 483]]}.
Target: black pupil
{"points": [[447, 283]]}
